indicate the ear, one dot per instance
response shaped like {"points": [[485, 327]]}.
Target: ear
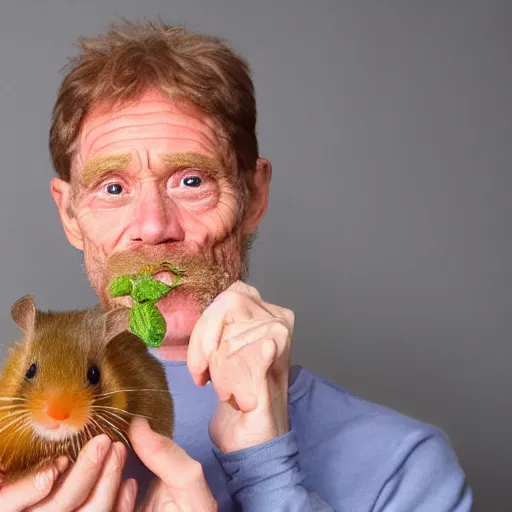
{"points": [[258, 201], [23, 312], [116, 321], [61, 193]]}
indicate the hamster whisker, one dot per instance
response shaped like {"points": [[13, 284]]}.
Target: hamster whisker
{"points": [[25, 427], [12, 398], [103, 407], [87, 431], [103, 429], [7, 407], [19, 417], [80, 436], [116, 416], [17, 411], [74, 444], [86, 434], [23, 421], [100, 429], [96, 426], [100, 417]]}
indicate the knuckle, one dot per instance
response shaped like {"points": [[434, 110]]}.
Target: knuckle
{"points": [[96, 452], [194, 471], [191, 473], [231, 298], [281, 330], [289, 316], [43, 480], [251, 290]]}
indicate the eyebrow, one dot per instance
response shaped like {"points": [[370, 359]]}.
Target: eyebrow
{"points": [[212, 166], [97, 167]]}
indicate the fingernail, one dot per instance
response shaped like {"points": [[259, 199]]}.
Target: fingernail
{"points": [[102, 446], [132, 489], [44, 479], [268, 350], [62, 463]]}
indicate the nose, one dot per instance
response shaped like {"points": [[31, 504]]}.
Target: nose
{"points": [[156, 217], [58, 409]]}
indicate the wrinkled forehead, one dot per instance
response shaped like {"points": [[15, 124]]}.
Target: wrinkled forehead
{"points": [[153, 124]]}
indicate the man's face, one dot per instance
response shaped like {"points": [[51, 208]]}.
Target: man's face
{"points": [[148, 179]]}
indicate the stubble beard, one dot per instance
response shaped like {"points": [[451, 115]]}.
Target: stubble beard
{"points": [[205, 274]]}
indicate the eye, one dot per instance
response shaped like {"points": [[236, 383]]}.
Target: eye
{"points": [[114, 189], [93, 375], [31, 372], [191, 181]]}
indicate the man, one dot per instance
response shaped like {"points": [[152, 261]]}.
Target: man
{"points": [[153, 140]]}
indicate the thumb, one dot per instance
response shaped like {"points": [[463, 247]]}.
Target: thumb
{"points": [[168, 461]]}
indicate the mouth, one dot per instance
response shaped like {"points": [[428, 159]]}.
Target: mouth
{"points": [[165, 277], [143, 289], [56, 431]]}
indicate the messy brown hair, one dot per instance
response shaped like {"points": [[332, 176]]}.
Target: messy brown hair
{"points": [[132, 57]]}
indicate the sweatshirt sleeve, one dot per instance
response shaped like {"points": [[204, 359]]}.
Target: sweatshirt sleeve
{"points": [[425, 475], [267, 477]]}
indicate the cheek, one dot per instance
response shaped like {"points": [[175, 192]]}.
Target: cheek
{"points": [[207, 216], [209, 220], [102, 229]]}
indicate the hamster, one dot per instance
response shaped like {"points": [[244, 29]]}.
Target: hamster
{"points": [[75, 374]]}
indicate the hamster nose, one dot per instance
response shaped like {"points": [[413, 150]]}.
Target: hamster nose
{"points": [[58, 411]]}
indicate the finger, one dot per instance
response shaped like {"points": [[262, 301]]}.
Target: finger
{"points": [[74, 489], [230, 307], [250, 291], [242, 375], [165, 458], [105, 492], [285, 314], [126, 497], [33, 488], [235, 337], [204, 340], [245, 289], [182, 480]]}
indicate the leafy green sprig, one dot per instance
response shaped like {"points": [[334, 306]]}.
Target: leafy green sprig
{"points": [[146, 321]]}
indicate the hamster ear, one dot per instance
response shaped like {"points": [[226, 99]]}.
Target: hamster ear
{"points": [[23, 312], [116, 321]]}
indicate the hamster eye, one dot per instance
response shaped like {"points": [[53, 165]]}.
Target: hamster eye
{"points": [[93, 375], [31, 372]]}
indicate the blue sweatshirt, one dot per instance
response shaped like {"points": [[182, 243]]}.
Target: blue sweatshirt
{"points": [[342, 454]]}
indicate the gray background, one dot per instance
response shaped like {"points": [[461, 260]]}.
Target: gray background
{"points": [[389, 128]]}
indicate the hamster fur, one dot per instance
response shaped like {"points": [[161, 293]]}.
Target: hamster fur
{"points": [[75, 374]]}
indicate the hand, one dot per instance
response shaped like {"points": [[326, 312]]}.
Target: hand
{"points": [[92, 484], [181, 486], [242, 344]]}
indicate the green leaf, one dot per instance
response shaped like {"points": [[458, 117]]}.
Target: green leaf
{"points": [[121, 285], [147, 288], [147, 323]]}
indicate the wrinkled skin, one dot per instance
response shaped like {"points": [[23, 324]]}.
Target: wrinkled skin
{"points": [[238, 341], [154, 204]]}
